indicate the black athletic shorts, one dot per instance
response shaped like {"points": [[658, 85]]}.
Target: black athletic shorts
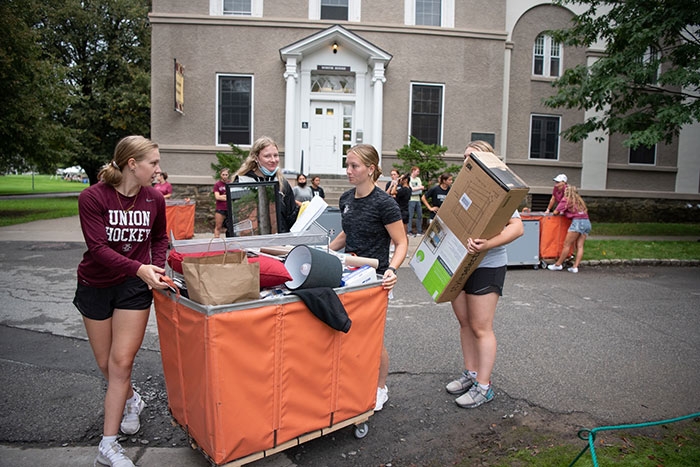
{"points": [[99, 303], [486, 280]]}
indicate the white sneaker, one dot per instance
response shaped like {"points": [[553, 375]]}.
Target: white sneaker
{"points": [[382, 397], [112, 455], [554, 267], [574, 270], [460, 385], [130, 420]]}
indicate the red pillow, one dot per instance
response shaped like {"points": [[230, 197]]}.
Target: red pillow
{"points": [[175, 258], [272, 271]]}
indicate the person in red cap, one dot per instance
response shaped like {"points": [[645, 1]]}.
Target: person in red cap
{"points": [[557, 192]]}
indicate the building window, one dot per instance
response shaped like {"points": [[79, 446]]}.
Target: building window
{"points": [[649, 68], [546, 57], [544, 137], [236, 8], [426, 112], [348, 117], [342, 84], [643, 155], [334, 9], [235, 109], [488, 137], [428, 12]]}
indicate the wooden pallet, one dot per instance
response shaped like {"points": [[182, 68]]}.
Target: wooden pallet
{"points": [[361, 429]]}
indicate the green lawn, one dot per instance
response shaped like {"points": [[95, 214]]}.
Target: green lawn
{"points": [[19, 211], [640, 249], [645, 228], [674, 444], [28, 184]]}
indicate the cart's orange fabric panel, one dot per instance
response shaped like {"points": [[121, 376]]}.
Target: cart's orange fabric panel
{"points": [[358, 365], [306, 371], [179, 219], [553, 231], [192, 333], [241, 358], [248, 380], [166, 317]]}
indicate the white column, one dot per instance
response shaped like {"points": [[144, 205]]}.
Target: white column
{"points": [[378, 80], [505, 104], [594, 155], [688, 159], [290, 146], [594, 160]]}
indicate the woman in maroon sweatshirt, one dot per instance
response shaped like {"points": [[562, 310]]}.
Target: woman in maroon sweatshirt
{"points": [[123, 221]]}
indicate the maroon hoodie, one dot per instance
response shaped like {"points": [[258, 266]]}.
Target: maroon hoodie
{"points": [[121, 233]]}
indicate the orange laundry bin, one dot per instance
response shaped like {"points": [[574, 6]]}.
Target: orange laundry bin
{"points": [[246, 378], [179, 215], [553, 231]]}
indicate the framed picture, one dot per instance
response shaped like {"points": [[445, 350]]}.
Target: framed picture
{"points": [[252, 208]]}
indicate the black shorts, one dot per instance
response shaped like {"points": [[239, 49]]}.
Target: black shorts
{"points": [[99, 303], [486, 280], [223, 212]]}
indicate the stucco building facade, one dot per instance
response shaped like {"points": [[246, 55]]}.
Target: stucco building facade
{"points": [[321, 75]]}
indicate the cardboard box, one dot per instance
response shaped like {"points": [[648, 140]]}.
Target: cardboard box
{"points": [[482, 199]]}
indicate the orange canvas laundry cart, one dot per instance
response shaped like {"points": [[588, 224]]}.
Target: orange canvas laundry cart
{"points": [[179, 215], [250, 379], [553, 231]]}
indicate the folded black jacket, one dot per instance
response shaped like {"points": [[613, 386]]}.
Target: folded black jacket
{"points": [[324, 303]]}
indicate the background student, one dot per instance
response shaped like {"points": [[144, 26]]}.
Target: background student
{"points": [[573, 207], [434, 197], [262, 164]]}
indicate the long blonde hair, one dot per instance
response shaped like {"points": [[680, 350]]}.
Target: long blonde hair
{"points": [[251, 162], [479, 145], [574, 200], [369, 156], [136, 147]]}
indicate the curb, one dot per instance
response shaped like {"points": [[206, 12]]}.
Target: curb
{"points": [[641, 262]]}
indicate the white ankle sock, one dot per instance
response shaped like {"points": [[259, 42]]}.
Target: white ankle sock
{"points": [[472, 374], [107, 440], [133, 399]]}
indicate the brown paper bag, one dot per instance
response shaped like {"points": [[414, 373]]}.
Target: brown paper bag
{"points": [[221, 279]]}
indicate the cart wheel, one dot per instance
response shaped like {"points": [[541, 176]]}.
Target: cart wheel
{"points": [[361, 430]]}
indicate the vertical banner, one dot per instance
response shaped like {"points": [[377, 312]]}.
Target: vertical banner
{"points": [[179, 87]]}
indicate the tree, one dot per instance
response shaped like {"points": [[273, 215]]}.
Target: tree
{"points": [[33, 95], [231, 161], [104, 46], [647, 83], [427, 157]]}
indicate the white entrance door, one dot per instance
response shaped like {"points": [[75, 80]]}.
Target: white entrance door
{"points": [[326, 138]]}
